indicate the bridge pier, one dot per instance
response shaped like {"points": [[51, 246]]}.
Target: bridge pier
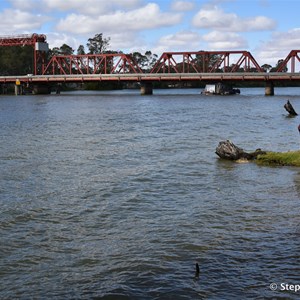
{"points": [[41, 89], [146, 88], [4, 88], [58, 88], [269, 88]]}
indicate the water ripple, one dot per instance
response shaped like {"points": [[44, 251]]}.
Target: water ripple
{"points": [[114, 196]]}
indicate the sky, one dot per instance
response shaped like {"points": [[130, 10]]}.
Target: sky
{"points": [[269, 29]]}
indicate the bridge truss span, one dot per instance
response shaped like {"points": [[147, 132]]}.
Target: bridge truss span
{"points": [[91, 64], [206, 62]]}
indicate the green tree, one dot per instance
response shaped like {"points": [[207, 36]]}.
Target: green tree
{"points": [[140, 59], [206, 61], [80, 50], [145, 61], [266, 67], [16, 60], [279, 63], [66, 50], [62, 50], [98, 44], [151, 59], [53, 51]]}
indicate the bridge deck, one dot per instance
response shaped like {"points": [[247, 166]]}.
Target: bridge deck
{"points": [[153, 77]]}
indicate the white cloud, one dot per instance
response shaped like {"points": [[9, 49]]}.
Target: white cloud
{"points": [[180, 41], [87, 7], [180, 5], [212, 17], [17, 21], [278, 47], [28, 5], [218, 40], [147, 17], [120, 41], [259, 23], [286, 40], [58, 39], [90, 7]]}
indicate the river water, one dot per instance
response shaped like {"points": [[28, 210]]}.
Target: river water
{"points": [[113, 195]]}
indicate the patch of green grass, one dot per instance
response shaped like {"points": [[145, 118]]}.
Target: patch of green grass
{"points": [[291, 158]]}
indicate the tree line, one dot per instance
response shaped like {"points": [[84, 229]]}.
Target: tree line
{"points": [[98, 45]]}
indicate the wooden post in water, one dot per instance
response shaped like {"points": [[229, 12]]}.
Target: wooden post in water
{"points": [[146, 88], [290, 109], [269, 88]]}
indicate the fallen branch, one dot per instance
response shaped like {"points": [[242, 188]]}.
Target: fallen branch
{"points": [[228, 150], [290, 109]]}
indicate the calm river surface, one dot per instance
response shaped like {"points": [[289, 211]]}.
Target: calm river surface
{"points": [[113, 195]]}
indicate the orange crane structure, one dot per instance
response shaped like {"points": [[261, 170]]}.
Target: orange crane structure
{"points": [[37, 41]]}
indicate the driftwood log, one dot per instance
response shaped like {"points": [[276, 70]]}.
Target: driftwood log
{"points": [[290, 109], [228, 150]]}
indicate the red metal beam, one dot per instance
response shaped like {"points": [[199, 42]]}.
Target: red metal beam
{"points": [[205, 61], [292, 56], [91, 64], [22, 40]]}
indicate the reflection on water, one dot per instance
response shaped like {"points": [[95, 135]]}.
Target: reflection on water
{"points": [[118, 196]]}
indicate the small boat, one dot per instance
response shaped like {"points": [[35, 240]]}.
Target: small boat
{"points": [[219, 89]]}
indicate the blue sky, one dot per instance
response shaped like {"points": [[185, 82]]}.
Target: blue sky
{"points": [[269, 29]]}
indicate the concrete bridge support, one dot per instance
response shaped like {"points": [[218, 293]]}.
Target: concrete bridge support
{"points": [[146, 88], [269, 88], [41, 89], [4, 88]]}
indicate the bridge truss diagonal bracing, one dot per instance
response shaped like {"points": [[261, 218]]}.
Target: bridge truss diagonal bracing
{"points": [[291, 59], [206, 62], [91, 64]]}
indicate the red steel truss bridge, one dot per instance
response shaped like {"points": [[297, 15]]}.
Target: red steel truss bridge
{"points": [[171, 66]]}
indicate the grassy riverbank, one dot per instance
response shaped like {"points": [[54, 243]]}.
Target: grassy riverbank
{"points": [[291, 158]]}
